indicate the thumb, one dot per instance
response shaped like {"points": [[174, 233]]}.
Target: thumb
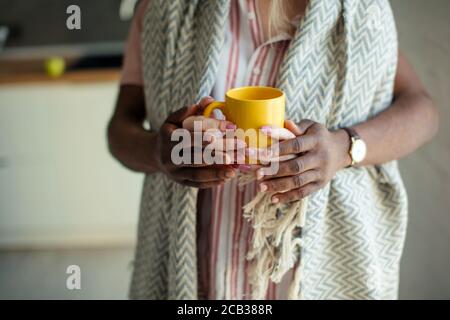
{"points": [[299, 129], [205, 102]]}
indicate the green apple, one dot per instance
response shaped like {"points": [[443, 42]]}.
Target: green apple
{"points": [[55, 66]]}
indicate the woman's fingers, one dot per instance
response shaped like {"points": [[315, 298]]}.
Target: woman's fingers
{"points": [[303, 126], [298, 141], [202, 123], [199, 157], [266, 156], [276, 151], [205, 102], [296, 194], [215, 141], [277, 133], [228, 144], [202, 185], [292, 127], [289, 183], [248, 167], [203, 175], [297, 145], [210, 155], [199, 153], [289, 168], [188, 116], [290, 130], [177, 117]]}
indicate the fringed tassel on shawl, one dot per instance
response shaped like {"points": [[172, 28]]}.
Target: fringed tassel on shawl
{"points": [[275, 247]]}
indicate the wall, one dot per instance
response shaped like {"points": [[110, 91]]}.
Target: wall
{"points": [[424, 35], [59, 186], [43, 22]]}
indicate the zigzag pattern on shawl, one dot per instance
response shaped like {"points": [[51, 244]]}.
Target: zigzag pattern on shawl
{"points": [[338, 260], [179, 72], [339, 70]]}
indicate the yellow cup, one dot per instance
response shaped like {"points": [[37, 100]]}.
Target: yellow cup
{"points": [[251, 108]]}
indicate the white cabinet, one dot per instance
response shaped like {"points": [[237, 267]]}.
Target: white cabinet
{"points": [[59, 186]]}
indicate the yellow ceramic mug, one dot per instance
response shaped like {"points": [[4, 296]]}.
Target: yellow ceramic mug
{"points": [[252, 108]]}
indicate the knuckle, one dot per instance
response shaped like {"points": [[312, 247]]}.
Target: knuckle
{"points": [[300, 165], [296, 145], [282, 185], [294, 167], [300, 193], [298, 181], [283, 148], [276, 187], [269, 185], [284, 168], [318, 176], [292, 196]]}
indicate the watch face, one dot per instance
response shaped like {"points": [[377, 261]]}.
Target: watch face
{"points": [[358, 151]]}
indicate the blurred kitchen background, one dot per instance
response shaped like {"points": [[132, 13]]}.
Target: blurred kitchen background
{"points": [[65, 201]]}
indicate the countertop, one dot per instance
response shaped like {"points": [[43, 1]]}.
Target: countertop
{"points": [[20, 71]]}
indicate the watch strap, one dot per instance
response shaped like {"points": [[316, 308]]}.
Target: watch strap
{"points": [[353, 135]]}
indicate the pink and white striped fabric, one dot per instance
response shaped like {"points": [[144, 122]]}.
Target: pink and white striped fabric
{"points": [[224, 235]]}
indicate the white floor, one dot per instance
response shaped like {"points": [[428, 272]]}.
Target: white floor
{"points": [[105, 274]]}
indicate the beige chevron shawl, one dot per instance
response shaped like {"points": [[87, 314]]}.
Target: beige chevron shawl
{"points": [[339, 70]]}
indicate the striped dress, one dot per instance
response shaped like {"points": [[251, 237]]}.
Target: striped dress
{"points": [[224, 235]]}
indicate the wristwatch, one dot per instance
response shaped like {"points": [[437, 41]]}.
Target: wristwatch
{"points": [[358, 148]]}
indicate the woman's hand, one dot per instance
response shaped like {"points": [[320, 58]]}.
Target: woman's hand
{"points": [[199, 175], [317, 155]]}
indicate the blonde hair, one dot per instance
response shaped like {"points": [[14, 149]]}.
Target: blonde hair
{"points": [[279, 18]]}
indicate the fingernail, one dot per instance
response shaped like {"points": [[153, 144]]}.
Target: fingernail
{"points": [[275, 200], [230, 126], [262, 187], [266, 129]]}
